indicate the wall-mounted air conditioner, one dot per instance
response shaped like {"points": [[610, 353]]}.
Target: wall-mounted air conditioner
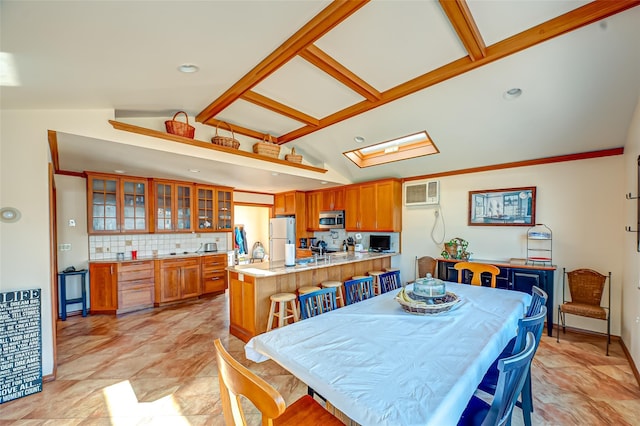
{"points": [[422, 193]]}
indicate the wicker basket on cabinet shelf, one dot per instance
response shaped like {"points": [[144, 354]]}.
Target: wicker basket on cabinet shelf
{"points": [[267, 148], [229, 142], [293, 157]]}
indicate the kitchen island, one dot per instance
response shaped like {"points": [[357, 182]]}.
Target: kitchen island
{"points": [[250, 286]]}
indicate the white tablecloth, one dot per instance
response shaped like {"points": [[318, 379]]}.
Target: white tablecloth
{"points": [[382, 366]]}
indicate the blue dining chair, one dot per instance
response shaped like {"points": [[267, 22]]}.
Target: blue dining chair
{"points": [[358, 290], [538, 299], [489, 383], [513, 374], [317, 302], [389, 281]]}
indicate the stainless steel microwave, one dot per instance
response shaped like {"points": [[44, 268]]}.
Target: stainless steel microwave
{"points": [[331, 220]]}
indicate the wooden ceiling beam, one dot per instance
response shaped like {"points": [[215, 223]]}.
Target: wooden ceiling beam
{"points": [[460, 17], [326, 63], [336, 12], [270, 104], [577, 18], [220, 125]]}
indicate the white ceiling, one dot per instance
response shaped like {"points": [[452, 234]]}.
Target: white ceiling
{"points": [[579, 89]]}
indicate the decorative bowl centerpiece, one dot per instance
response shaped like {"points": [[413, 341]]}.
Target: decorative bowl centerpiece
{"points": [[429, 287], [420, 305]]}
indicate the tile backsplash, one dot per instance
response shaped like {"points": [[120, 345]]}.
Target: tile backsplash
{"points": [[106, 247]]}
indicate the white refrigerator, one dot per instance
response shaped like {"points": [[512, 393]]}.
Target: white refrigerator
{"points": [[282, 230]]}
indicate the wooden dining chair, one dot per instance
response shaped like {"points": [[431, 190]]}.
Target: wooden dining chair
{"points": [[358, 290], [586, 288], [317, 302], [237, 381], [426, 265], [489, 383], [513, 374], [476, 270]]}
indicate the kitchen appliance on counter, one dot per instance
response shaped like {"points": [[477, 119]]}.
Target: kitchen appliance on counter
{"points": [[321, 248], [282, 231], [331, 220], [303, 243], [209, 247]]}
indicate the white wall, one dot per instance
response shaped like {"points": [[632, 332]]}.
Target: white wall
{"points": [[581, 201], [631, 277], [24, 245]]}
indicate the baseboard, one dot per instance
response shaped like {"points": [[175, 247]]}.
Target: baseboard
{"points": [[583, 331], [631, 363]]}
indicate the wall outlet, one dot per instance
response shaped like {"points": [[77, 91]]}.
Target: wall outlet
{"points": [[217, 239], [128, 243], [72, 222], [64, 247], [177, 245], [107, 249], [99, 250]]}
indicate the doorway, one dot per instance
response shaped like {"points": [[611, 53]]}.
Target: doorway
{"points": [[254, 219]]}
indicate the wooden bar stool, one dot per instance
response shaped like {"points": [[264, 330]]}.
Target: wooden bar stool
{"points": [[376, 281], [391, 269], [283, 313], [339, 293]]}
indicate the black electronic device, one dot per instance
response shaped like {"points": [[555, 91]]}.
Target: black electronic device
{"points": [[69, 269], [380, 243]]}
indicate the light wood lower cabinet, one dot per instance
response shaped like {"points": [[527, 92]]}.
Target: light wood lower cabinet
{"points": [[103, 285], [119, 287], [135, 286], [176, 279], [214, 275], [242, 306]]}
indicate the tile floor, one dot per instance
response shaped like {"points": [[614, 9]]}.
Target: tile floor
{"points": [[157, 367]]}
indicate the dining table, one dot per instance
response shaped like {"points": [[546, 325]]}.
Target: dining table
{"points": [[381, 365]]}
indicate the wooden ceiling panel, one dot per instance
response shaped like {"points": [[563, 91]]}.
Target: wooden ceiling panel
{"points": [[388, 43], [498, 20], [262, 120], [305, 87], [378, 52]]}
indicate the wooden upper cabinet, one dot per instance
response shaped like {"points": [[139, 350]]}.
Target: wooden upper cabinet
{"points": [[117, 204], [172, 206], [374, 206], [313, 210], [224, 203], [333, 199], [284, 203]]}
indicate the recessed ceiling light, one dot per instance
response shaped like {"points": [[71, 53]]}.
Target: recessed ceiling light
{"points": [[275, 174], [188, 68], [512, 93], [9, 214], [194, 170], [120, 172], [324, 182], [359, 139]]}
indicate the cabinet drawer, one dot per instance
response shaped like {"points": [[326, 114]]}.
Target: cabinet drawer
{"points": [[179, 262], [135, 298], [135, 275], [129, 285], [214, 283], [215, 262]]}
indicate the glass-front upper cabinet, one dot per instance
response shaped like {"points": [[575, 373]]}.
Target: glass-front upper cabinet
{"points": [[224, 198], [116, 204], [204, 211], [215, 208], [173, 202]]}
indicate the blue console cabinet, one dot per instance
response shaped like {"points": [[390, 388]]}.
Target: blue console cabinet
{"points": [[512, 277]]}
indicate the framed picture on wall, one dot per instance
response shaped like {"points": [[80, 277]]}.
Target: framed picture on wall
{"points": [[503, 207]]}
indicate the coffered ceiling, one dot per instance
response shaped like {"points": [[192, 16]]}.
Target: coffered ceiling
{"points": [[315, 74]]}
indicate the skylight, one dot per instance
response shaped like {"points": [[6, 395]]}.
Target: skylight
{"points": [[403, 148]]}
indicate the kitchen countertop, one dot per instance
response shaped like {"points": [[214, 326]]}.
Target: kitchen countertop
{"points": [[161, 257], [266, 269]]}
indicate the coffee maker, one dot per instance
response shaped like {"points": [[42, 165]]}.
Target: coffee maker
{"points": [[303, 243]]}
